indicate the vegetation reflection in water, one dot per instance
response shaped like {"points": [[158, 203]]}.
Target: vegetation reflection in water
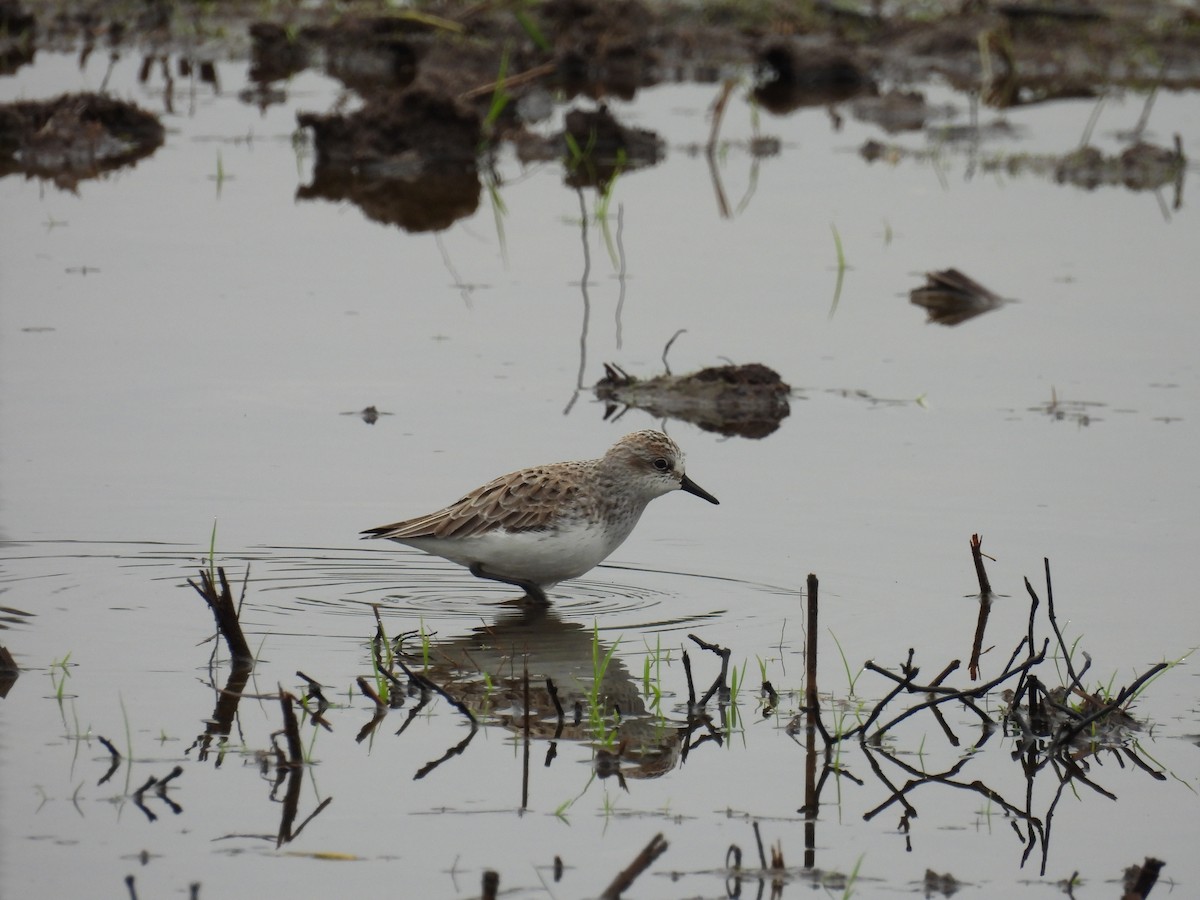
{"points": [[543, 679]]}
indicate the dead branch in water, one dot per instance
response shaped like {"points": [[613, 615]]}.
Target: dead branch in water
{"points": [[985, 605], [1139, 880], [652, 851], [226, 614]]}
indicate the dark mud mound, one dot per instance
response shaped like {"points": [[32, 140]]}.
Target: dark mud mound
{"points": [[806, 72], [747, 401], [604, 46], [597, 147], [17, 29], [407, 159], [74, 137]]}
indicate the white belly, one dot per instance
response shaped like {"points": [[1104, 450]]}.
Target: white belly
{"points": [[542, 557]]}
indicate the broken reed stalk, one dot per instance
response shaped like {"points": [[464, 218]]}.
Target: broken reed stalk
{"points": [[226, 614], [652, 851], [116, 759], [810, 651], [1139, 880], [291, 729], [552, 690], [720, 682], [985, 605], [762, 857], [525, 726]]}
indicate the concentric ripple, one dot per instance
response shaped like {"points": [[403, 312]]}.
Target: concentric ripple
{"points": [[289, 581]]}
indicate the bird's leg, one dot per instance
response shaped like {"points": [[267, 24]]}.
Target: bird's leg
{"points": [[532, 591]]}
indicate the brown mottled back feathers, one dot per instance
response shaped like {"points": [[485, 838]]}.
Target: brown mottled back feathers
{"points": [[524, 500]]}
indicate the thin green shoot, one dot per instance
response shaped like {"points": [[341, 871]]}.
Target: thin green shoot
{"points": [[531, 30], [652, 675], [221, 177], [852, 878], [841, 270], [573, 148], [561, 811], [1170, 665], [736, 679], [382, 686], [581, 156], [499, 210], [432, 20], [212, 554], [850, 679], [500, 97], [603, 203], [1142, 752], [596, 697], [60, 681], [128, 742], [605, 198], [424, 646], [489, 688], [308, 751]]}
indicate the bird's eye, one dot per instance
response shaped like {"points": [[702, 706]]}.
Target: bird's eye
{"points": [[662, 464]]}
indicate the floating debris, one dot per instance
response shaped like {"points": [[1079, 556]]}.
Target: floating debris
{"points": [[9, 671], [369, 414], [748, 401], [950, 297]]}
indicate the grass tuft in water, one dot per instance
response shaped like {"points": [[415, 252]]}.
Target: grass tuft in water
{"points": [[597, 716]]}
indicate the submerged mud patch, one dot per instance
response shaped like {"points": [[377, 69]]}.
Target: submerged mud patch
{"points": [[74, 137], [406, 160], [747, 401]]}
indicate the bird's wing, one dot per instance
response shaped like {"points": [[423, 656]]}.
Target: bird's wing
{"points": [[523, 500]]}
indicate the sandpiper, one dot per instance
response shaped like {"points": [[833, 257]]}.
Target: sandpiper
{"points": [[542, 525]]}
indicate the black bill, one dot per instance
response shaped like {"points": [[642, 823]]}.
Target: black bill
{"points": [[692, 488]]}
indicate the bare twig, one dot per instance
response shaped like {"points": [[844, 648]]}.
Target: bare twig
{"points": [[226, 615], [652, 851]]}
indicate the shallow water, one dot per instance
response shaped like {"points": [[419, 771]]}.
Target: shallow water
{"points": [[180, 347]]}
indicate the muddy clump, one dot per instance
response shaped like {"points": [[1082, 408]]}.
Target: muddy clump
{"points": [[597, 148], [407, 159], [17, 30], [746, 401], [604, 46], [74, 137], [805, 72]]}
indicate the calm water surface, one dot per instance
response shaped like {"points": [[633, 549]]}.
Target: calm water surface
{"points": [[181, 342]]}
